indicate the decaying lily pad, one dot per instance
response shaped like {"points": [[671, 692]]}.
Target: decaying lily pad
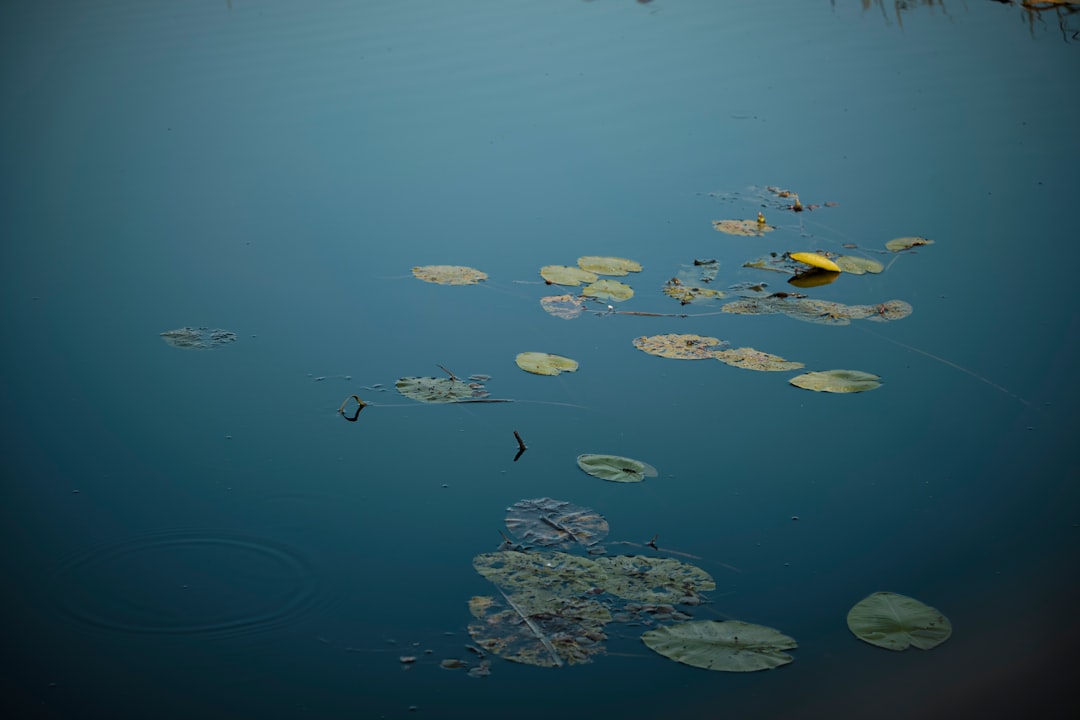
{"points": [[557, 572], [566, 275], [608, 265], [449, 274], [906, 243], [609, 290], [748, 358], [897, 622], [749, 228], [200, 338], [687, 294], [837, 381], [566, 307], [680, 347], [888, 311], [823, 312], [548, 523], [615, 468], [440, 390], [731, 646], [654, 579], [855, 265], [540, 363], [691, 284]]}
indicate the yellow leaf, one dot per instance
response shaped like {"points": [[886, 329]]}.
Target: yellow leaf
{"points": [[815, 260]]}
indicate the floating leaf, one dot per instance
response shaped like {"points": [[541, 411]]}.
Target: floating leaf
{"points": [[906, 243], [540, 363], [747, 228], [731, 646], [478, 604], [653, 579], [687, 294], [815, 260], [896, 622], [837, 381], [541, 629], [561, 573], [566, 307], [546, 523], [566, 275], [609, 290], [858, 265], [774, 262], [680, 347], [440, 390], [608, 265], [691, 284], [888, 311], [748, 358], [449, 274], [200, 338], [615, 468]]}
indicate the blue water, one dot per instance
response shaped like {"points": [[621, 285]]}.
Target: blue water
{"points": [[199, 534]]}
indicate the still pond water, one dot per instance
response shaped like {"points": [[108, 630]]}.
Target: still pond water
{"points": [[200, 534]]}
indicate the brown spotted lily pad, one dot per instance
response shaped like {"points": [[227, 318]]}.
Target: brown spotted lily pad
{"points": [[680, 347], [747, 228], [449, 274], [748, 358]]}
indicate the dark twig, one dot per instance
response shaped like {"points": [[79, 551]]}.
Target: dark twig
{"points": [[360, 405], [521, 446]]}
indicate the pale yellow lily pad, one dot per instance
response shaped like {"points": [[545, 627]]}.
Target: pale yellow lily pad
{"points": [[566, 275], [748, 358], [540, 363], [748, 228], [449, 274], [609, 290], [815, 260], [680, 347], [837, 381], [906, 243], [608, 265], [855, 265]]}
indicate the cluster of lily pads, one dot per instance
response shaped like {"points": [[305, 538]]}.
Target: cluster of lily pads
{"points": [[554, 607]]}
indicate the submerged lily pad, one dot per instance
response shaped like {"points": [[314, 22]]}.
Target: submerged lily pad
{"points": [[897, 622], [540, 363], [566, 275], [566, 307], [548, 523], [855, 265], [730, 646], [653, 579], [556, 572], [748, 358], [749, 228], [906, 243], [691, 284], [680, 347], [615, 468], [837, 381], [200, 338], [609, 290], [888, 311], [608, 265], [449, 274], [440, 390]]}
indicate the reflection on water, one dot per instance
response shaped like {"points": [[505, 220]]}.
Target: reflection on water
{"points": [[1039, 14]]}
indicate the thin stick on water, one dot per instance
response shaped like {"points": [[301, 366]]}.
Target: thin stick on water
{"points": [[536, 631]]}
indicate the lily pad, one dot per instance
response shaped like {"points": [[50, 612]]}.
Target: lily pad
{"points": [[897, 622], [608, 265], [692, 283], [440, 390], [687, 294], [906, 243], [654, 580], [837, 381], [889, 311], [566, 307], [566, 275], [557, 572], [680, 347], [615, 468], [540, 363], [609, 290], [730, 646], [547, 523], [748, 358], [854, 265], [449, 274], [541, 629], [816, 261], [200, 338], [748, 228]]}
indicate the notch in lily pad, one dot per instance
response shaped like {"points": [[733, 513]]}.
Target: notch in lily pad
{"points": [[615, 468]]}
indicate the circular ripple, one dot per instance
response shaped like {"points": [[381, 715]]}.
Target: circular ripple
{"points": [[186, 583]]}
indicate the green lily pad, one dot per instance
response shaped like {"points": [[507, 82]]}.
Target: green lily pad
{"points": [[615, 468], [897, 622], [906, 243], [680, 347], [449, 274], [608, 265], [748, 228], [730, 646], [566, 275], [540, 363], [837, 381], [654, 579], [609, 290], [854, 265]]}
